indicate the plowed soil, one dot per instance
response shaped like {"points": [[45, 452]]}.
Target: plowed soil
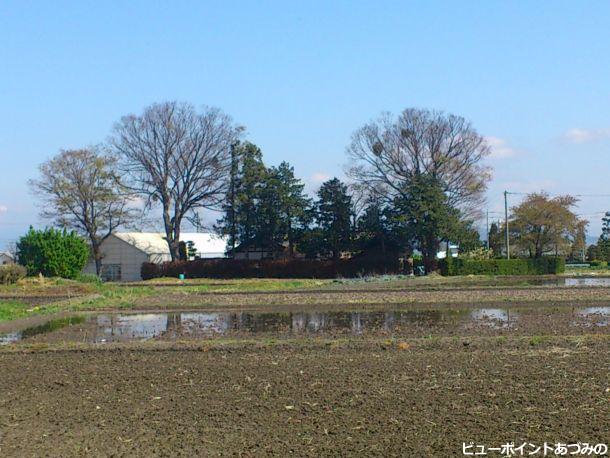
{"points": [[336, 398]]}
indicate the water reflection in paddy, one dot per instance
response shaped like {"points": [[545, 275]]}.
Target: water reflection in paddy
{"points": [[115, 327], [174, 325]]}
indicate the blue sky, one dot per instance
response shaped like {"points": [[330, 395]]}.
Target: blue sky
{"points": [[534, 77]]}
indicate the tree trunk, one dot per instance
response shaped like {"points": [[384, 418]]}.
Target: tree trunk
{"points": [[172, 232], [97, 256], [429, 251], [98, 265]]}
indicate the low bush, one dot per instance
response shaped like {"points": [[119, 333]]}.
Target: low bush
{"points": [[53, 253], [289, 268], [538, 266], [11, 273], [598, 263]]}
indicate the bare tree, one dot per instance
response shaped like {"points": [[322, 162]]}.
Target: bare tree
{"points": [[386, 154], [82, 190], [177, 157]]}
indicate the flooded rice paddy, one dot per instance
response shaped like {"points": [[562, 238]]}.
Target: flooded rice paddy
{"points": [[101, 328]]}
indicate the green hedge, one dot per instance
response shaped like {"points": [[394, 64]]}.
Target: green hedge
{"points": [[289, 268], [539, 266]]}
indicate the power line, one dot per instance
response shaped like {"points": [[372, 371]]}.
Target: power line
{"points": [[573, 195]]}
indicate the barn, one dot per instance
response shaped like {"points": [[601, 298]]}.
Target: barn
{"points": [[6, 258], [124, 252]]}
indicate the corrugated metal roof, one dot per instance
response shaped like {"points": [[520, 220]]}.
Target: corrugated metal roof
{"points": [[206, 244]]}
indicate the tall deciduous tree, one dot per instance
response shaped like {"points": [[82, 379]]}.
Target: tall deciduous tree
{"points": [[82, 190], [178, 157], [543, 225], [334, 216], [387, 154]]}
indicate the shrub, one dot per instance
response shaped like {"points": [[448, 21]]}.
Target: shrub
{"points": [[53, 253], [478, 254], [11, 273], [289, 268], [598, 263], [89, 278], [538, 266]]}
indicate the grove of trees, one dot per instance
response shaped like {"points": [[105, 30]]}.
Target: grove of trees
{"points": [[416, 182]]}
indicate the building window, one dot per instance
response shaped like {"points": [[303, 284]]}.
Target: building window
{"points": [[111, 272]]}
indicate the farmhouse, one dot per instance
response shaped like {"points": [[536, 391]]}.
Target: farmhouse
{"points": [[124, 252], [6, 258]]}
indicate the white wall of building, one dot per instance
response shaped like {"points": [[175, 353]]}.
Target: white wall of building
{"points": [[124, 253], [5, 258], [118, 254]]}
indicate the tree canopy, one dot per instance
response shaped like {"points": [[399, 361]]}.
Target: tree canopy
{"points": [[178, 157], [83, 190], [53, 253], [545, 225], [387, 154]]}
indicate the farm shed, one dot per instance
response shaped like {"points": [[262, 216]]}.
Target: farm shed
{"points": [[6, 258], [124, 252]]}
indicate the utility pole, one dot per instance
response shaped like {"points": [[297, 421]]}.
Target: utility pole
{"points": [[487, 227], [506, 224]]}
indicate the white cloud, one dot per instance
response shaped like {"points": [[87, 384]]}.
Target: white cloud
{"points": [[319, 177], [500, 148], [3, 208], [577, 135]]}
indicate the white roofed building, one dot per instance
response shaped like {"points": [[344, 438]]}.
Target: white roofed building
{"points": [[6, 258], [123, 253]]}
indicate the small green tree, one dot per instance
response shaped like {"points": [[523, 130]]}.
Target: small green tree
{"points": [[53, 253]]}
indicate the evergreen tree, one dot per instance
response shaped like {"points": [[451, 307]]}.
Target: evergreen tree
{"points": [[423, 216], [292, 204], [602, 250], [229, 207], [373, 230], [496, 241], [264, 206], [242, 219], [250, 187], [333, 213]]}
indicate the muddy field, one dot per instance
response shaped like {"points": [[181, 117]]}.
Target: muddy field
{"points": [[439, 296], [362, 371], [365, 399]]}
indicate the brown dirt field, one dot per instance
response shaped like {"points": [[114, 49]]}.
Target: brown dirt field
{"points": [[445, 296], [312, 398]]}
